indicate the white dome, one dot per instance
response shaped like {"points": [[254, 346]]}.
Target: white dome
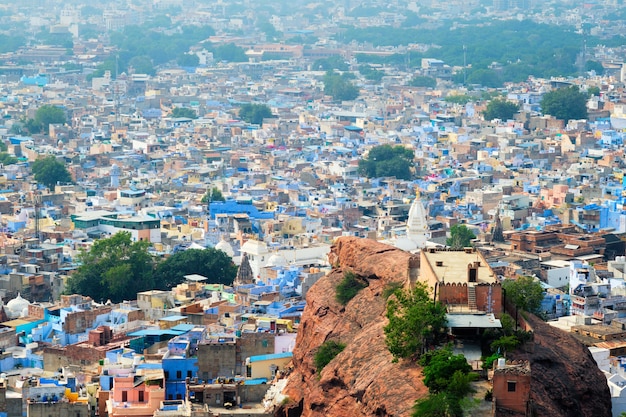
{"points": [[225, 247], [276, 260], [16, 307], [405, 244]]}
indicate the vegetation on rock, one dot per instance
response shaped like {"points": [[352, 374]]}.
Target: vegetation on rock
{"points": [[448, 379], [349, 287], [525, 292], [416, 322], [326, 353]]}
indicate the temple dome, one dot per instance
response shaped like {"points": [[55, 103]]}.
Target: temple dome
{"points": [[225, 247], [17, 306]]}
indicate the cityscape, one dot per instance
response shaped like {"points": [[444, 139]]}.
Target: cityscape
{"points": [[312, 208]]}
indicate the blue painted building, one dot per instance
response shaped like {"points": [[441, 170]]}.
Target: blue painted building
{"points": [[180, 364]]}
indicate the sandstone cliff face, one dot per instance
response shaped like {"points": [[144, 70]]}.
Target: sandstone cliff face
{"points": [[565, 380], [361, 380]]}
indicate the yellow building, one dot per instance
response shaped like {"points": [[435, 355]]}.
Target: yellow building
{"points": [[265, 366]]}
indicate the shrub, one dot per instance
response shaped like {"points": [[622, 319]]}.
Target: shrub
{"points": [[349, 286], [489, 360], [391, 288], [489, 395], [326, 353]]}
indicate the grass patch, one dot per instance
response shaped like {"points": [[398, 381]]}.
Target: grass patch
{"points": [[326, 353], [349, 286], [391, 288]]}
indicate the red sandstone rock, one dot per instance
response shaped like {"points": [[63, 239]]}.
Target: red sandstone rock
{"points": [[565, 380], [361, 380]]}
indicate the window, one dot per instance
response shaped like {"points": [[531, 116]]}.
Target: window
{"points": [[141, 393], [511, 385], [218, 398], [179, 374], [124, 396], [188, 374]]}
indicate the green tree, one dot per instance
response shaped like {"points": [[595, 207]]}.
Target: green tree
{"points": [[565, 103], [525, 292], [183, 112], [115, 268], [461, 99], [387, 161], [594, 66], [440, 365], [593, 91], [460, 237], [212, 263], [484, 77], [254, 113], [215, 195], [6, 159], [49, 171], [423, 81], [230, 52], [329, 64], [47, 115], [188, 60], [142, 65], [339, 86], [500, 109], [436, 405], [349, 287], [370, 73], [415, 322], [505, 344], [326, 353]]}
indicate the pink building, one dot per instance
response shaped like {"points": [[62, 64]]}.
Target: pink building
{"points": [[138, 394]]}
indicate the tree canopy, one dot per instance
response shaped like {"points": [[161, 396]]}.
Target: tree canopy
{"points": [[500, 109], [49, 171], [115, 268], [440, 366], [254, 113], [330, 63], [460, 237], [423, 81], [188, 60], [415, 322], [213, 195], [565, 103], [339, 86], [211, 263], [184, 112], [47, 115], [525, 292], [387, 161]]}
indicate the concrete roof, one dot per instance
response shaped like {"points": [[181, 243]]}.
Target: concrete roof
{"points": [[454, 264], [480, 321]]}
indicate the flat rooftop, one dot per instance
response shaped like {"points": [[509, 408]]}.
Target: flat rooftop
{"points": [[452, 266]]}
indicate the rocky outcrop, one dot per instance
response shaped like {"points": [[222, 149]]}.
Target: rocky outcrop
{"points": [[565, 380], [362, 380]]}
